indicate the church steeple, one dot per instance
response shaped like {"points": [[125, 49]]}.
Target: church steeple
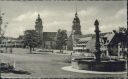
{"points": [[76, 27], [76, 11], [38, 16], [38, 25], [76, 14], [39, 29]]}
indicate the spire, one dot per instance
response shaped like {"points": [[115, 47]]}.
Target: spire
{"points": [[76, 28], [38, 18], [76, 9], [76, 14], [38, 15]]}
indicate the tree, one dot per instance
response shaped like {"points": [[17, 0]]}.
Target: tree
{"points": [[31, 39], [61, 39]]}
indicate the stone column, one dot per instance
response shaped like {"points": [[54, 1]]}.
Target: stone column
{"points": [[97, 44]]}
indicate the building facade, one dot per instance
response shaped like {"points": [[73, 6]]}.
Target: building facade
{"points": [[49, 40], [12, 42]]}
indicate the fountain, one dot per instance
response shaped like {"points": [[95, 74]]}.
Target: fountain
{"points": [[98, 64]]}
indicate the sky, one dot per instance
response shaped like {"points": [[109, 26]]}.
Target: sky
{"points": [[21, 15]]}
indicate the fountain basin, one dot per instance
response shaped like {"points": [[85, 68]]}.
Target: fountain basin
{"points": [[105, 65]]}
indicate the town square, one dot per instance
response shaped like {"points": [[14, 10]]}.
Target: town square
{"points": [[63, 39]]}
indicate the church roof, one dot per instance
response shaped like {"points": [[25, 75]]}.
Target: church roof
{"points": [[118, 38], [49, 36]]}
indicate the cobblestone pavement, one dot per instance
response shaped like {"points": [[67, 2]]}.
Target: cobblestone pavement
{"points": [[42, 65]]}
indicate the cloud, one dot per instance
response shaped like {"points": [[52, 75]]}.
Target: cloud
{"points": [[15, 30], [59, 19], [50, 19], [55, 25], [26, 16], [20, 18], [91, 11], [122, 13]]}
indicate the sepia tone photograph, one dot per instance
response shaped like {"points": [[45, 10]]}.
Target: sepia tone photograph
{"points": [[63, 39]]}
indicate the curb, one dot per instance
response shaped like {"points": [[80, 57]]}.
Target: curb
{"points": [[69, 68]]}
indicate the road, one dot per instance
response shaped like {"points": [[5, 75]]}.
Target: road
{"points": [[44, 65]]}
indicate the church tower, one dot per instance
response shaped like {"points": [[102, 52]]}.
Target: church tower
{"points": [[76, 27], [39, 29], [38, 25], [76, 32]]}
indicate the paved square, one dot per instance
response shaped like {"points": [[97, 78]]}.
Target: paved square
{"points": [[43, 65]]}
